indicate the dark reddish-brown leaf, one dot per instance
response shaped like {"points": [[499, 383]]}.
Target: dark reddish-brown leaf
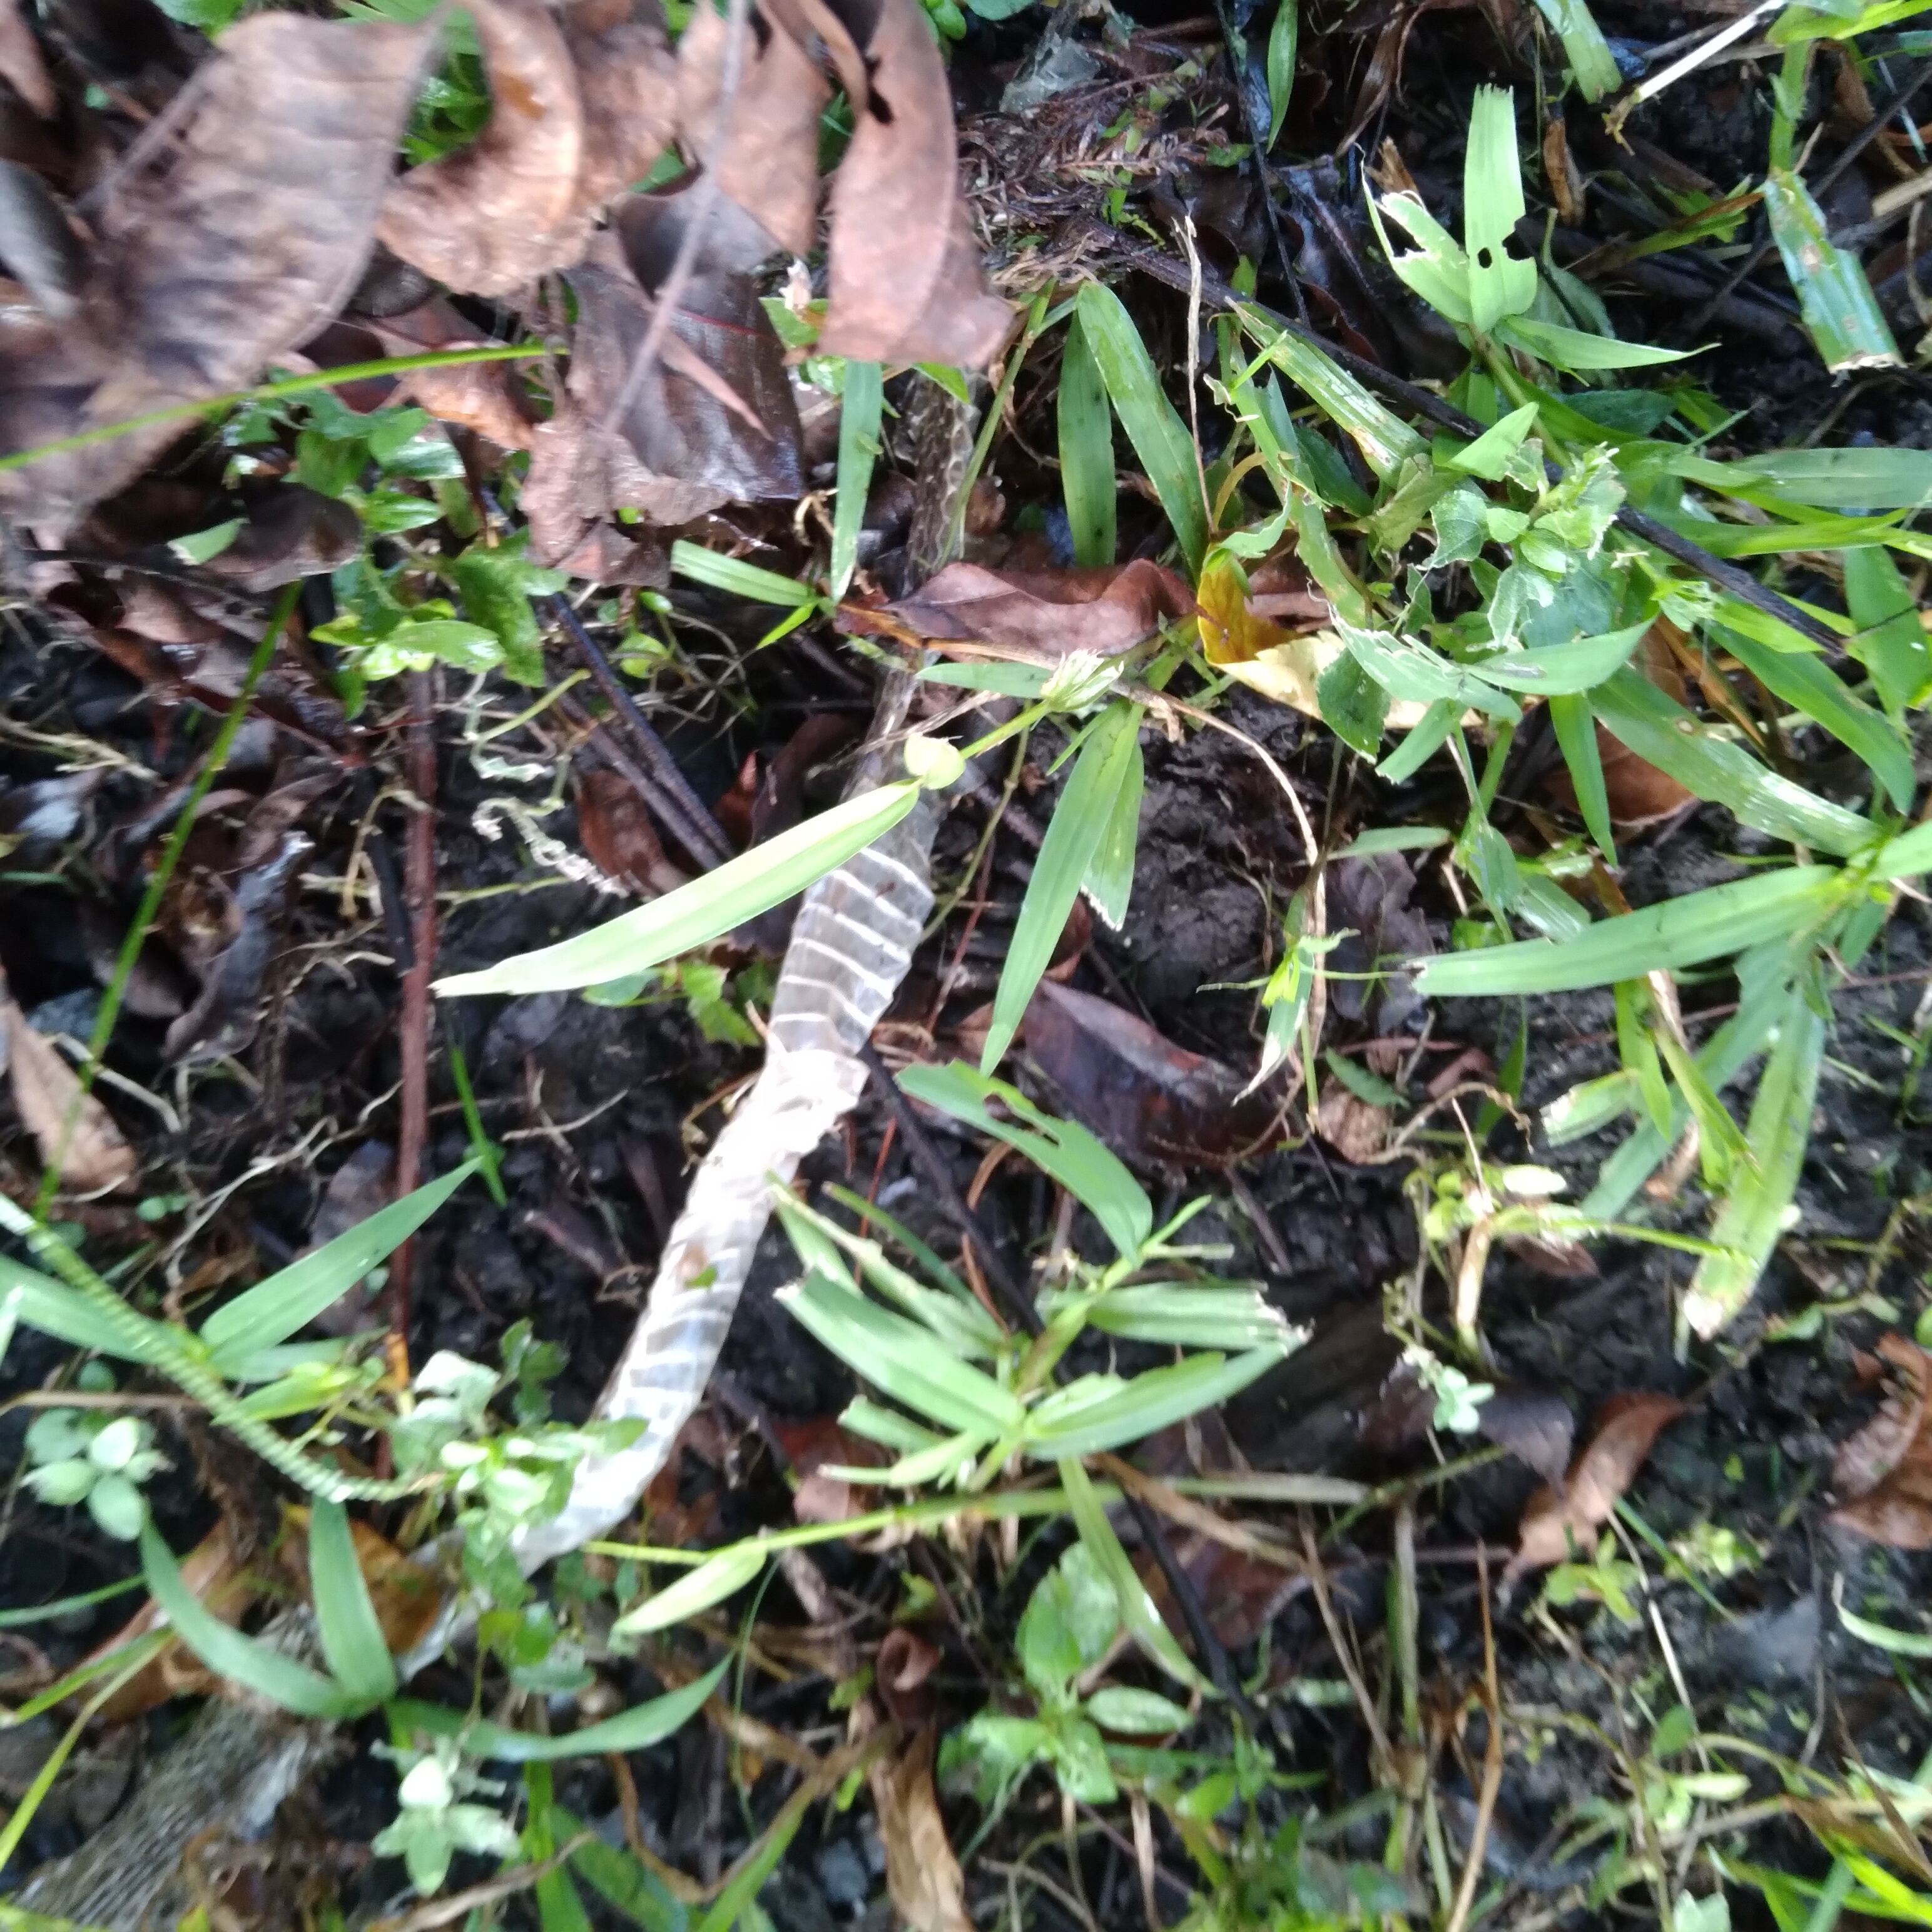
{"points": [[1554, 1526], [1535, 1425], [1885, 1469], [1153, 1102], [1106, 610], [770, 163], [21, 65], [288, 532], [229, 244], [618, 835], [905, 1662], [519, 200], [488, 397], [905, 280]]}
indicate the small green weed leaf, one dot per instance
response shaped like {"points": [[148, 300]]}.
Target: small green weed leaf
{"points": [[1564, 669], [1063, 1149], [1395, 839], [1591, 59], [1488, 455], [722, 1575], [245, 1661], [1500, 284], [1087, 448], [1576, 349], [1108, 763], [1660, 731], [1752, 1215], [204, 546], [1136, 1714], [1890, 641], [290, 1299], [1160, 437], [616, 1877], [637, 1728], [1814, 688], [738, 890], [898, 1357], [1438, 271], [417, 644], [858, 449], [1353, 705], [496, 583], [1284, 42], [1137, 1608], [1839, 309], [1068, 1625], [351, 1638], [1709, 925]]}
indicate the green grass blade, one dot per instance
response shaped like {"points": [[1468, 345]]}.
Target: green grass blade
{"points": [[1160, 437], [1577, 350], [1500, 283], [1891, 640], [1836, 301], [1720, 920], [1566, 670], [858, 450], [1409, 671], [1284, 43], [1591, 60], [1230, 1319], [1811, 684], [229, 1654], [1109, 883], [1384, 440], [1063, 1149], [1087, 449], [735, 577], [1142, 1621], [1752, 1216], [634, 1729], [52, 1308], [352, 1637], [1149, 1402], [1106, 763], [1660, 731], [618, 1880], [1851, 480], [720, 1576], [1575, 727], [738, 890], [901, 1358], [289, 1300]]}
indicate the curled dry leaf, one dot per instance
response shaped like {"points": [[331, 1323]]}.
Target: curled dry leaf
{"points": [[1153, 1102], [47, 1095], [922, 1873], [904, 276], [617, 835], [1553, 1525], [488, 397], [1105, 610], [221, 251], [561, 140], [905, 1661], [1885, 1469], [770, 167]]}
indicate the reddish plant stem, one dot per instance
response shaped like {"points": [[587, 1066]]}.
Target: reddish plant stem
{"points": [[419, 893]]}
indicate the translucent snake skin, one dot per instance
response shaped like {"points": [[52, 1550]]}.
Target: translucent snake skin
{"points": [[851, 945]]}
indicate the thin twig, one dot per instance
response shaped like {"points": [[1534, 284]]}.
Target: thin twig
{"points": [[1492, 1762]]}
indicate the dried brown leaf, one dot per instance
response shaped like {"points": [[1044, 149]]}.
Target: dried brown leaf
{"points": [[46, 1095], [619, 837], [289, 532], [22, 66], [905, 280], [563, 138], [1357, 1130], [1153, 1102], [222, 247], [905, 1662], [488, 397], [1105, 610], [923, 1875], [1535, 1425], [1884, 1468], [770, 164], [1552, 1526]]}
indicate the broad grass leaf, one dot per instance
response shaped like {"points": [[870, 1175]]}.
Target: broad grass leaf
{"points": [[1554, 1528], [858, 448], [739, 889], [1890, 641], [1106, 763], [722, 1575], [245, 1661], [52, 1308], [291, 1298], [1839, 309], [1591, 59], [1149, 1402], [1500, 284], [1709, 925], [637, 1728], [1410, 671], [351, 1636], [1751, 1216], [1284, 39], [1087, 445], [1488, 455], [1138, 1612], [1576, 349], [1109, 883], [1160, 437], [1664, 734], [735, 577], [1854, 480], [1062, 1149], [1384, 440], [1814, 688], [1567, 670], [1576, 728]]}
